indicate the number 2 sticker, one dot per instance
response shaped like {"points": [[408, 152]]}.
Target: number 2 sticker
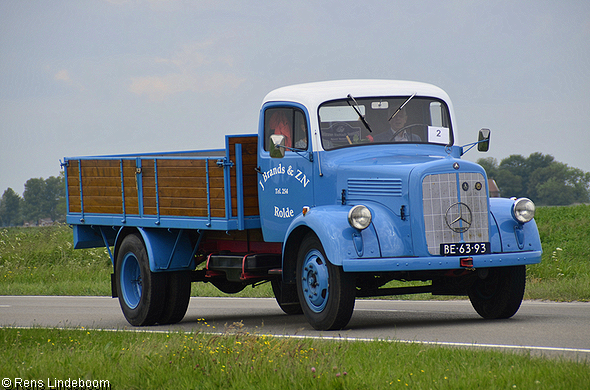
{"points": [[439, 135]]}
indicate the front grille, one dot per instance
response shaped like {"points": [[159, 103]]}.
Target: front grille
{"points": [[363, 188], [440, 192]]}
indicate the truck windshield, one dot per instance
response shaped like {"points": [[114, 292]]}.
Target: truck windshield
{"points": [[421, 120]]}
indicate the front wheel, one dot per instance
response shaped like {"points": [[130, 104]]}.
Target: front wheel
{"points": [[140, 291], [286, 296], [325, 291], [500, 293]]}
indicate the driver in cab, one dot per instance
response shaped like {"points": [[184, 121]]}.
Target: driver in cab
{"points": [[398, 130]]}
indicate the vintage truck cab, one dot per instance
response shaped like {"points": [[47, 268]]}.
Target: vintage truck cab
{"points": [[348, 186], [369, 186]]}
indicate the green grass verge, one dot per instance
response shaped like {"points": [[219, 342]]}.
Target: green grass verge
{"points": [[241, 361], [42, 261], [564, 272]]}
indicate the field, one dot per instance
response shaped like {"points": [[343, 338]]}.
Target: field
{"points": [[41, 261], [564, 272], [237, 360]]}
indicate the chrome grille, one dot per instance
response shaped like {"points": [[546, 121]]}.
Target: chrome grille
{"points": [[440, 192], [362, 188]]}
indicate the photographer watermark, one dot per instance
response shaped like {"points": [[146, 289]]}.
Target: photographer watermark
{"points": [[54, 384]]}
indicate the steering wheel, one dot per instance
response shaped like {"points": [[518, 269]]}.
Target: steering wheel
{"points": [[405, 128]]}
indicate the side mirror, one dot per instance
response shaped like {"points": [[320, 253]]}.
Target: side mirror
{"points": [[483, 141], [277, 146]]}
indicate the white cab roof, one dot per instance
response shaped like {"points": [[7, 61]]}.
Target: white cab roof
{"points": [[313, 94]]}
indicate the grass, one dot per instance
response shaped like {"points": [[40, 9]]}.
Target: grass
{"points": [[238, 360], [42, 261], [564, 272]]}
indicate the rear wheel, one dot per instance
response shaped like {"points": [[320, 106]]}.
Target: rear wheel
{"points": [[141, 292], [325, 291], [500, 293], [178, 294]]}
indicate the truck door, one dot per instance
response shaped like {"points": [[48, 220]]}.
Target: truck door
{"points": [[285, 171]]}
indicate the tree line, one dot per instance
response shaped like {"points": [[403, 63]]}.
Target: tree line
{"points": [[540, 178], [537, 177], [43, 199]]}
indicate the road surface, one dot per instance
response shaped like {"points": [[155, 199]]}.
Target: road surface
{"points": [[541, 328]]}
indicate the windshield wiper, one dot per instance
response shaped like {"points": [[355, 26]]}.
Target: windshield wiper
{"points": [[400, 107], [361, 117]]}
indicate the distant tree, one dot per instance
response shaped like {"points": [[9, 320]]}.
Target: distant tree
{"points": [[580, 180], [490, 165], [510, 184], [547, 186], [513, 174], [540, 178], [33, 196], [539, 160], [11, 208], [558, 184], [44, 198], [54, 199]]}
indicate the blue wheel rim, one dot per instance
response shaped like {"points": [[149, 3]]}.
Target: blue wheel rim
{"points": [[131, 280], [315, 281]]}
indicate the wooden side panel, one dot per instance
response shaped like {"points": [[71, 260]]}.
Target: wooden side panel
{"points": [[130, 183], [101, 187], [110, 186], [182, 188], [73, 187], [250, 176]]}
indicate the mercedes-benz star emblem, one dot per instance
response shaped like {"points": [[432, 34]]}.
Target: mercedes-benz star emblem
{"points": [[458, 217]]}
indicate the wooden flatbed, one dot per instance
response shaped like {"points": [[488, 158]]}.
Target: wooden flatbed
{"points": [[215, 189]]}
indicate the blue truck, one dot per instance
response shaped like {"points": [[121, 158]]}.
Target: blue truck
{"points": [[347, 186]]}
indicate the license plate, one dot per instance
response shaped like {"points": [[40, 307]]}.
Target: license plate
{"points": [[465, 249]]}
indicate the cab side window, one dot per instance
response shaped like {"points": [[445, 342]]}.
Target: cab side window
{"points": [[300, 130], [286, 121]]}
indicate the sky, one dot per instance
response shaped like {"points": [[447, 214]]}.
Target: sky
{"points": [[98, 77]]}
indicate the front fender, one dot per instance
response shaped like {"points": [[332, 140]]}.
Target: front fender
{"points": [[339, 239], [514, 236], [394, 233]]}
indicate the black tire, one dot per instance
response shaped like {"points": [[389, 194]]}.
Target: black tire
{"points": [[178, 294], [500, 294], [287, 297], [326, 292], [141, 292]]}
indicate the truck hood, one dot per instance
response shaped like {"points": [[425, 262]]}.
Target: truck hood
{"points": [[383, 174], [382, 161]]}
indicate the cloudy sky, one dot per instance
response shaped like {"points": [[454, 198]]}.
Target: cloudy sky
{"points": [[121, 76]]}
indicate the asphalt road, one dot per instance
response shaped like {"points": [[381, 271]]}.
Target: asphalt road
{"points": [[541, 328]]}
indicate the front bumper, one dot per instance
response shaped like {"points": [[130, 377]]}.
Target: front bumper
{"points": [[389, 264]]}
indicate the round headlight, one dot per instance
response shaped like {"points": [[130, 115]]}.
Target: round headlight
{"points": [[523, 210], [359, 217]]}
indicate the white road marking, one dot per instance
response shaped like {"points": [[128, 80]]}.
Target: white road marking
{"points": [[340, 338]]}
